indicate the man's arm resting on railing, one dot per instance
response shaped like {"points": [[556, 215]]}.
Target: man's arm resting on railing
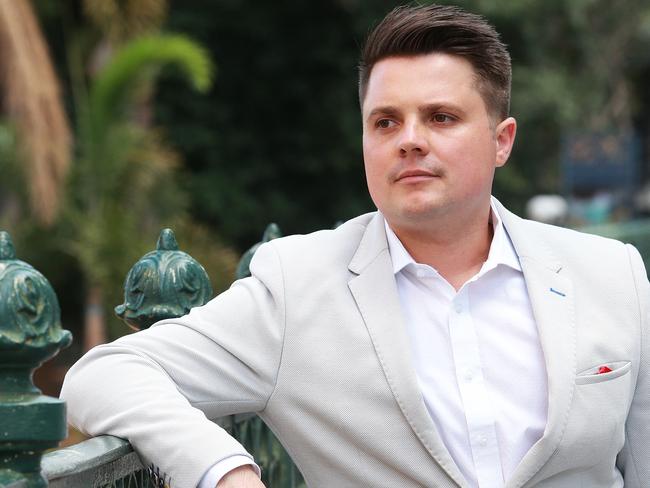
{"points": [[159, 388]]}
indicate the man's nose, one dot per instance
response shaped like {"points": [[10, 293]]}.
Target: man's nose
{"points": [[413, 139]]}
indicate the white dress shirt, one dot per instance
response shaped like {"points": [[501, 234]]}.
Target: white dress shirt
{"points": [[223, 467], [478, 358]]}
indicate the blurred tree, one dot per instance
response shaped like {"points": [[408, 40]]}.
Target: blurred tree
{"points": [[280, 138], [122, 182], [119, 20], [31, 100], [123, 186]]}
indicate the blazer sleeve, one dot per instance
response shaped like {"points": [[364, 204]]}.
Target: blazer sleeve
{"points": [[634, 459], [158, 388]]}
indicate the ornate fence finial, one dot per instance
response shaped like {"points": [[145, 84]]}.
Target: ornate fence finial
{"points": [[30, 333], [167, 241], [163, 284], [271, 232]]}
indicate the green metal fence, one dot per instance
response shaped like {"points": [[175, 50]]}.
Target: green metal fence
{"points": [[31, 333], [103, 461], [110, 462]]}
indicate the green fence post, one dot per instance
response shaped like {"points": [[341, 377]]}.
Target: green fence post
{"points": [[272, 232], [30, 334], [163, 284]]}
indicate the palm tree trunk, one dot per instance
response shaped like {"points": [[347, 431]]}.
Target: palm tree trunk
{"points": [[94, 319], [32, 98]]}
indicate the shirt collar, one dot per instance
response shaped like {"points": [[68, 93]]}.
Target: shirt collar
{"points": [[501, 249]]}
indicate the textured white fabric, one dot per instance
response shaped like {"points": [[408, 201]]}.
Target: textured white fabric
{"points": [[472, 349], [220, 469]]}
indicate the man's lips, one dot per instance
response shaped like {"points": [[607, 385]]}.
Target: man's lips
{"points": [[415, 175]]}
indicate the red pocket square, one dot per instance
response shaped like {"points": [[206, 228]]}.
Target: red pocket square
{"points": [[604, 369]]}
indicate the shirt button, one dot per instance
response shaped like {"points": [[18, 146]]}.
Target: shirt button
{"points": [[458, 308], [468, 375], [483, 441]]}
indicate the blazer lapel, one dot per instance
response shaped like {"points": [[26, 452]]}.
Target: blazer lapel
{"points": [[375, 292], [551, 296]]}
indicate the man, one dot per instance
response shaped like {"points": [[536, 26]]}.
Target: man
{"points": [[440, 342]]}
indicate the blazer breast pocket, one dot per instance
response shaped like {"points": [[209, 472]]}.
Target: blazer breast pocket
{"points": [[595, 430], [595, 374]]}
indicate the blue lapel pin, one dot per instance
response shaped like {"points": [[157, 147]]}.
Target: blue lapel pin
{"points": [[553, 290]]}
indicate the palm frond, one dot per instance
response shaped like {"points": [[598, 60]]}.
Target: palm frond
{"points": [[139, 59]]}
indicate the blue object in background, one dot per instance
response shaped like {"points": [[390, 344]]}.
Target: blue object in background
{"points": [[597, 161]]}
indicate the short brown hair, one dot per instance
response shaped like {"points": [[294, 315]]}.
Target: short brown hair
{"points": [[417, 30]]}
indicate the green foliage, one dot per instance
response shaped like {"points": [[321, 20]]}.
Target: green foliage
{"points": [[279, 137], [122, 165], [117, 154], [139, 60], [123, 186], [13, 188], [125, 182]]}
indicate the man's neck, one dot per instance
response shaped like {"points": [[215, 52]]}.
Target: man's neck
{"points": [[457, 250]]}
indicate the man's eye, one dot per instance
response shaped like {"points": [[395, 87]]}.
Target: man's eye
{"points": [[384, 123], [442, 118]]}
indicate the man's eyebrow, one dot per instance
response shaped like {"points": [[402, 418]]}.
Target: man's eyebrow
{"points": [[427, 108], [435, 107], [386, 110]]}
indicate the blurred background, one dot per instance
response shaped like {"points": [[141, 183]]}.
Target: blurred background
{"points": [[216, 117]]}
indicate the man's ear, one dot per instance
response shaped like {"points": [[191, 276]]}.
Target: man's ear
{"points": [[505, 137]]}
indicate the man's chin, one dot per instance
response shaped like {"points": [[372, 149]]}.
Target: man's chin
{"points": [[424, 212], [417, 217]]}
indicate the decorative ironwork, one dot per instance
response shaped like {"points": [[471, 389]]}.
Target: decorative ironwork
{"points": [[30, 333], [272, 232], [165, 283]]}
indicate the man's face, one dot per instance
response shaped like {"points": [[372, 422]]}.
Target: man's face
{"points": [[430, 147]]}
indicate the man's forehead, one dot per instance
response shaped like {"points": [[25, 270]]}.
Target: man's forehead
{"points": [[431, 79]]}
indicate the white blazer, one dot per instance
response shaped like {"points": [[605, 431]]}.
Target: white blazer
{"points": [[315, 343]]}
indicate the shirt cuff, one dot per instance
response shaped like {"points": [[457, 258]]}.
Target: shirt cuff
{"points": [[220, 469]]}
